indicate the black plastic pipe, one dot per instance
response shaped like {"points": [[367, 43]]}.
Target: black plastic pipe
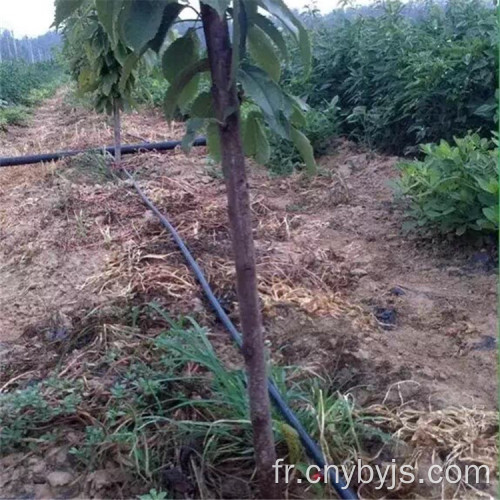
{"points": [[312, 448], [125, 150]]}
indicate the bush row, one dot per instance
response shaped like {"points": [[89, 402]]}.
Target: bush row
{"points": [[406, 76], [24, 85]]}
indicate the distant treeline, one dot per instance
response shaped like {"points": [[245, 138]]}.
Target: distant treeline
{"points": [[31, 50]]}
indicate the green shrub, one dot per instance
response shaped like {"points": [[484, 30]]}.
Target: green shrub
{"points": [[25, 84], [320, 127], [406, 73], [150, 88], [454, 188], [14, 115]]}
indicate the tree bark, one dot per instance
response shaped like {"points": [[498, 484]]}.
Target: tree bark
{"points": [[117, 132], [226, 102]]}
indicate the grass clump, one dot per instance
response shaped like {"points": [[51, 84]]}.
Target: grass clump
{"points": [[91, 167], [164, 405], [14, 115], [454, 188]]}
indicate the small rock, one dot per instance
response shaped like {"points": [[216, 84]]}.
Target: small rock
{"points": [[59, 478], [344, 170], [12, 459], [43, 492], [359, 272], [61, 457], [362, 354], [38, 470], [397, 290]]}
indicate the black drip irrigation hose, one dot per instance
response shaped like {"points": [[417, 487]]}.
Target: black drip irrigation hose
{"points": [[312, 448], [125, 150]]}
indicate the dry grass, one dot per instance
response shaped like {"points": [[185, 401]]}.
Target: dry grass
{"points": [[295, 269]]}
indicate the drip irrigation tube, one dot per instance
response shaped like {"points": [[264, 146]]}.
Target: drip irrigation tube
{"points": [[125, 150], [312, 448]]}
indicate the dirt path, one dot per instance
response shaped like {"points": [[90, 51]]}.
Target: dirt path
{"points": [[335, 243], [439, 298], [346, 295]]}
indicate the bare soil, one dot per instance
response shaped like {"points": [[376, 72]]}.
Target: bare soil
{"points": [[390, 317]]}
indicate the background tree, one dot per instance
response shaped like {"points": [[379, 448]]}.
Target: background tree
{"points": [[100, 63], [239, 79]]}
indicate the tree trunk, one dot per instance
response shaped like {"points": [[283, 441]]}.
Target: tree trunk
{"points": [[233, 165], [117, 132]]}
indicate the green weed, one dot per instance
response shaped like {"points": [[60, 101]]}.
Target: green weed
{"points": [[14, 115], [153, 398], [454, 188]]}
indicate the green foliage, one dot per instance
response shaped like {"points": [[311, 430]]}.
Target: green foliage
{"points": [[154, 495], [404, 80], [172, 393], [454, 188], [102, 65], [23, 413], [25, 84], [14, 115], [184, 61], [320, 127], [150, 87]]}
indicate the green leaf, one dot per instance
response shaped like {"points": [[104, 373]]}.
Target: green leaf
{"points": [[279, 9], [170, 14], [188, 93], [266, 94], [255, 143], [179, 54], [266, 25], [107, 82], [305, 149], [87, 80], [140, 21], [64, 9], [193, 125], [121, 53], [262, 51], [179, 83], [213, 141], [128, 67], [108, 12], [219, 5], [492, 214], [490, 186], [299, 108], [202, 106]]}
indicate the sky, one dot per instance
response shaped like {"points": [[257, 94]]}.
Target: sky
{"points": [[34, 17]]}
